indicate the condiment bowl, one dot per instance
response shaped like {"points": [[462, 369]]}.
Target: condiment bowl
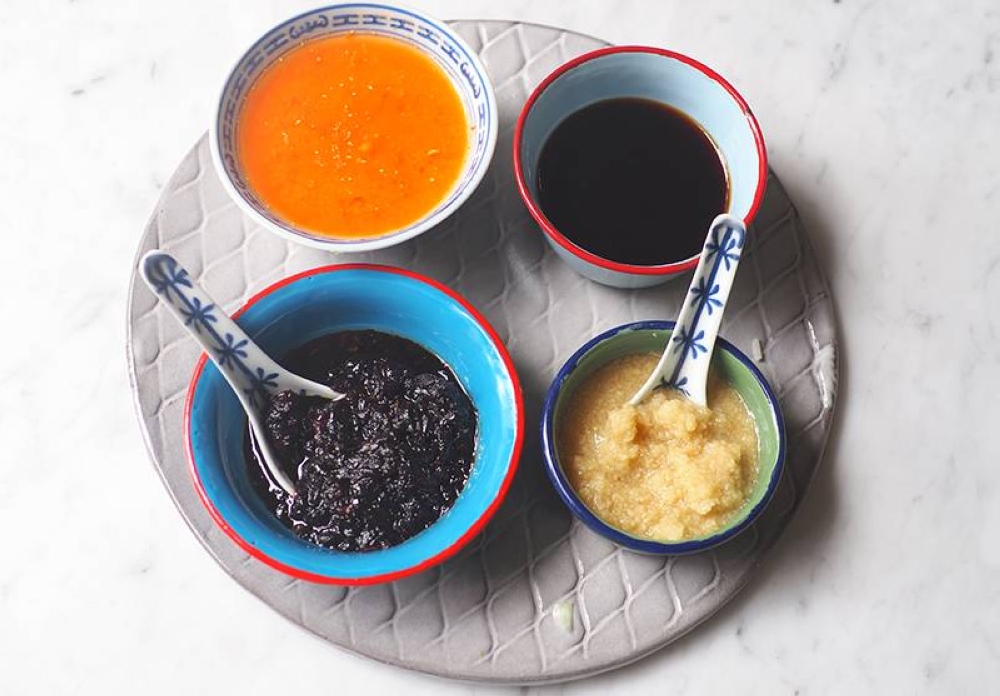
{"points": [[459, 62], [357, 296], [660, 75], [733, 366]]}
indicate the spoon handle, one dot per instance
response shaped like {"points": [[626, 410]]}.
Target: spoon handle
{"points": [[253, 375], [684, 364]]}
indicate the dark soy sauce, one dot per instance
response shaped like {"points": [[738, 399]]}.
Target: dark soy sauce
{"points": [[632, 180]]}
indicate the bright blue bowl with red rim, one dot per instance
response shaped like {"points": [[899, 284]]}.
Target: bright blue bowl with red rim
{"points": [[336, 298]]}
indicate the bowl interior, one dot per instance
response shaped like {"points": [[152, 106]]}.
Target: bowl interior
{"points": [[341, 298], [664, 78], [433, 38], [731, 365]]}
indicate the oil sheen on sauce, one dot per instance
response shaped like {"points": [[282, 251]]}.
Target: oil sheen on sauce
{"points": [[632, 180], [380, 465], [352, 136]]}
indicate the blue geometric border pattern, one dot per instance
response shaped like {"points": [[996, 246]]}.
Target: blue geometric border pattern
{"points": [[369, 18]]}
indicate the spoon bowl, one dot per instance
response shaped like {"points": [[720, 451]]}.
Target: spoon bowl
{"points": [[251, 372]]}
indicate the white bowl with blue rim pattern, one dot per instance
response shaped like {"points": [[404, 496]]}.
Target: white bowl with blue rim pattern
{"points": [[459, 62], [663, 76]]}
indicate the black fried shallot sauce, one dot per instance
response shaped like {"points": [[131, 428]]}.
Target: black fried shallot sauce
{"points": [[378, 466]]}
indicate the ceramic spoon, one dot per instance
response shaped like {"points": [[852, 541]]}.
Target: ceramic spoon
{"points": [[685, 360], [252, 374]]}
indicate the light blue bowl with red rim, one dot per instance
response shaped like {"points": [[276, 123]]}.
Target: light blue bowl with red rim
{"points": [[652, 73], [732, 365], [357, 296]]}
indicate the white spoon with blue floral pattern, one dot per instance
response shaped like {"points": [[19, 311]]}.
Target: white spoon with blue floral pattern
{"points": [[684, 363], [252, 374]]}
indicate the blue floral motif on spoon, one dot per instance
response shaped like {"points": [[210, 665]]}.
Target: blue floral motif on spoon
{"points": [[685, 361]]}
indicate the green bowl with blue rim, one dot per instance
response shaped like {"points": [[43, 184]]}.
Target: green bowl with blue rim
{"points": [[732, 365]]}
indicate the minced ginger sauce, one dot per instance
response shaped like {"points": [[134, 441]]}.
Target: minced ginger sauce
{"points": [[667, 469]]}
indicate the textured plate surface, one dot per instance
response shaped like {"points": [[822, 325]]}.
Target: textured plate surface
{"points": [[487, 614]]}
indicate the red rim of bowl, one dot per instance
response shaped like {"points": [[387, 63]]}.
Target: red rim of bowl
{"points": [[471, 532], [550, 230]]}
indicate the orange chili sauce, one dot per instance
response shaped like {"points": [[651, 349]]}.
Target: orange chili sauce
{"points": [[352, 135]]}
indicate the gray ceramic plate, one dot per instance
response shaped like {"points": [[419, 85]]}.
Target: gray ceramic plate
{"points": [[487, 615]]}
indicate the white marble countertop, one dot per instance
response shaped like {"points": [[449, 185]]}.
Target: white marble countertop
{"points": [[881, 119]]}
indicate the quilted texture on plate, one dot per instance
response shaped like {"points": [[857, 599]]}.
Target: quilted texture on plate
{"points": [[487, 614]]}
